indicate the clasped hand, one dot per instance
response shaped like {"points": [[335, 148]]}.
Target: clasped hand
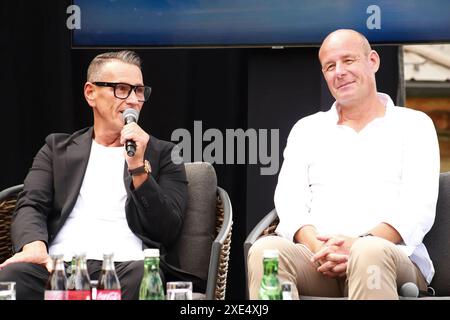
{"points": [[333, 255]]}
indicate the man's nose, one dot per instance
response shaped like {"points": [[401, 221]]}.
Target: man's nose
{"points": [[340, 69]]}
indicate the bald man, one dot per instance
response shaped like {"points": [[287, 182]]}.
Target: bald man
{"points": [[357, 190]]}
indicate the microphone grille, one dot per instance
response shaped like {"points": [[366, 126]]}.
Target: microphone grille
{"points": [[134, 114], [409, 289]]}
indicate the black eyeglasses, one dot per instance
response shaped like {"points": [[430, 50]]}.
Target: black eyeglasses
{"points": [[123, 90]]}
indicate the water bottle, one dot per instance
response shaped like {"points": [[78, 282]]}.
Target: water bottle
{"points": [[151, 284], [270, 288]]}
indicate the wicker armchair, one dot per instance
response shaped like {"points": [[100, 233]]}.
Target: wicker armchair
{"points": [[204, 244], [220, 251], [7, 204]]}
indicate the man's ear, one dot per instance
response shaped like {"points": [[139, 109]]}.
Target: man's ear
{"points": [[89, 93], [374, 60]]}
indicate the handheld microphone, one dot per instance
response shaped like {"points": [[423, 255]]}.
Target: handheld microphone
{"points": [[128, 116]]}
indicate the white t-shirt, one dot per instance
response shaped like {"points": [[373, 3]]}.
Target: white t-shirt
{"points": [[347, 182], [97, 223]]}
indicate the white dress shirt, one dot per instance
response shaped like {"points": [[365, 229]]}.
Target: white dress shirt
{"points": [[347, 182]]}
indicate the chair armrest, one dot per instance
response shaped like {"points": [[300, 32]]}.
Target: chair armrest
{"points": [[11, 191], [258, 229], [227, 216], [220, 246]]}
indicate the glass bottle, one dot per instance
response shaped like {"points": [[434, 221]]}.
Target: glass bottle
{"points": [[56, 288], [108, 287], [270, 288], [71, 271], [81, 281], [151, 284]]}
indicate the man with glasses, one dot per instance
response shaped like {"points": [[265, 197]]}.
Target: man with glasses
{"points": [[85, 194]]}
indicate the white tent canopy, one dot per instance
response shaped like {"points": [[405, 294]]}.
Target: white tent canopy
{"points": [[427, 62]]}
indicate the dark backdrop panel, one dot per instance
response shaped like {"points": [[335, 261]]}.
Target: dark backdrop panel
{"points": [[36, 81], [283, 86], [224, 88]]}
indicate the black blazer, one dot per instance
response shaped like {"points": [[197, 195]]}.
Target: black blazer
{"points": [[154, 211]]}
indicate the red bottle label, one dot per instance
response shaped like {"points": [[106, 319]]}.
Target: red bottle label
{"points": [[109, 295], [79, 295], [55, 295]]}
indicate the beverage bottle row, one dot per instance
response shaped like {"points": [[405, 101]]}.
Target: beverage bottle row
{"points": [[78, 285]]}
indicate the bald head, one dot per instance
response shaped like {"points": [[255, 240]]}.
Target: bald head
{"points": [[349, 65], [346, 35]]}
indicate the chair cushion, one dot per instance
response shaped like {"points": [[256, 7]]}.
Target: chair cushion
{"points": [[198, 232], [437, 240]]}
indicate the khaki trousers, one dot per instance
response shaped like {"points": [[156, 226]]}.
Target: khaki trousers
{"points": [[376, 268]]}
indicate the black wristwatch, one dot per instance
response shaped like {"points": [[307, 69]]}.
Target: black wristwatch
{"points": [[141, 170]]}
